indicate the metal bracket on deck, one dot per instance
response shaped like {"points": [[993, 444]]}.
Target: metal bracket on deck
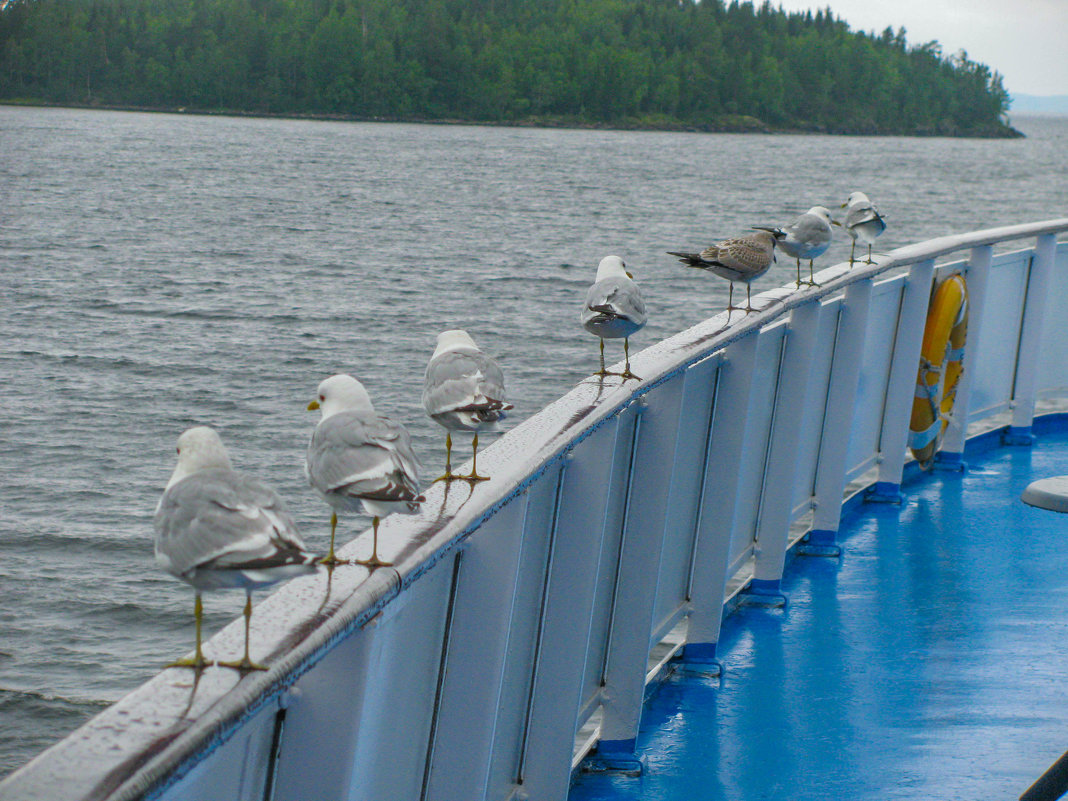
{"points": [[820, 543], [764, 594], [614, 756]]}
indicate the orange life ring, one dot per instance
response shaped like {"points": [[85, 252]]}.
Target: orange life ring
{"points": [[941, 365]]}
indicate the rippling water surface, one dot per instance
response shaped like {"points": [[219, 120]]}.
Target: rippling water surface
{"points": [[161, 271]]}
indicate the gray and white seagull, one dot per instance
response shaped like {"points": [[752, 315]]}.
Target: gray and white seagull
{"points": [[463, 390], [807, 237], [219, 529], [614, 309], [862, 221], [357, 457], [741, 258]]}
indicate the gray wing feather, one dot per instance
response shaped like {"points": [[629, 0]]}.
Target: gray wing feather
{"points": [[858, 215], [220, 519], [463, 380], [617, 296], [363, 455]]}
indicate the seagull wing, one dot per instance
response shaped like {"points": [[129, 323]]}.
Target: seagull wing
{"points": [[219, 519]]}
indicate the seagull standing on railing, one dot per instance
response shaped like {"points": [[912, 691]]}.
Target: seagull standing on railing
{"points": [[614, 309], [357, 457], [807, 237], [218, 529], [862, 221], [463, 390], [742, 258]]}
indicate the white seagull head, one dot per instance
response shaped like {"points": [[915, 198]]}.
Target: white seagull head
{"points": [[611, 265], [341, 393], [855, 198], [456, 339], [822, 212], [199, 449]]}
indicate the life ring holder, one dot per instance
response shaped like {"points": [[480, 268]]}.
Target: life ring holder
{"points": [[941, 366]]}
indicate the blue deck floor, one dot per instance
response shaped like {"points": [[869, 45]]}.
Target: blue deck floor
{"points": [[929, 662]]}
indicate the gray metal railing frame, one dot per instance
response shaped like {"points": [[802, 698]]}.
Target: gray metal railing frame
{"points": [[160, 740]]}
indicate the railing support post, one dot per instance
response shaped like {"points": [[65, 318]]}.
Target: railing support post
{"points": [[893, 438], [1034, 318], [951, 457], [799, 347], [838, 419], [719, 507], [636, 587]]}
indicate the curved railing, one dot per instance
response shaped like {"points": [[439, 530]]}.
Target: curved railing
{"points": [[524, 618]]}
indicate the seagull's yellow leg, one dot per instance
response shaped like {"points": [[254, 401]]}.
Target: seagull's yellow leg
{"points": [[799, 271], [448, 475], [245, 663], [198, 662], [473, 476], [748, 302], [330, 558], [374, 561], [811, 277], [869, 256], [626, 352], [852, 250]]}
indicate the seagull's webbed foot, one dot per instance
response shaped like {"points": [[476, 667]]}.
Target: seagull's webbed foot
{"points": [[331, 560], [244, 665], [627, 374], [447, 477], [197, 662], [473, 477], [374, 561]]}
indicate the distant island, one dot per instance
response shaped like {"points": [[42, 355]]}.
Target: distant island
{"points": [[653, 64]]}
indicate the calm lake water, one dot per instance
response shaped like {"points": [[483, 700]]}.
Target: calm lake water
{"points": [[161, 271]]}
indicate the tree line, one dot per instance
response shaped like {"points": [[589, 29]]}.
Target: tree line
{"points": [[705, 65]]}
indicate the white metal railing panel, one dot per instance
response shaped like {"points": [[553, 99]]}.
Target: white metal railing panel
{"points": [[874, 374], [757, 419], [812, 419], [514, 700], [236, 771], [610, 536], [471, 687], [401, 672], [569, 599], [1052, 371], [330, 697], [676, 561], [995, 365]]}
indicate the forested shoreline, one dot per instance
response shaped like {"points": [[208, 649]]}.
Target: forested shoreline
{"points": [[673, 64]]}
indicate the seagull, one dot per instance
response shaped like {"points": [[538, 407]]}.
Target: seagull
{"points": [[359, 457], [862, 221], [463, 390], [742, 258], [219, 529], [807, 237], [614, 308]]}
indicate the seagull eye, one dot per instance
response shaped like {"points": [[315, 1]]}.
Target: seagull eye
{"points": [[178, 449], [322, 398]]}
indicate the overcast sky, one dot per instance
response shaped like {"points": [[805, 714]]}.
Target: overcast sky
{"points": [[1025, 40]]}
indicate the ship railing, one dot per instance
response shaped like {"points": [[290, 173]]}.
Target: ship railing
{"points": [[524, 618]]}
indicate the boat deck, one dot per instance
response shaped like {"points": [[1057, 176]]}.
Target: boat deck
{"points": [[929, 661]]}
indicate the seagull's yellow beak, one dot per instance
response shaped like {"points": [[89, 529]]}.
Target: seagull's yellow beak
{"points": [[313, 406], [835, 222], [629, 274]]}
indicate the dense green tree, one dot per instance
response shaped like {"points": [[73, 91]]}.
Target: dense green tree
{"points": [[709, 65]]}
